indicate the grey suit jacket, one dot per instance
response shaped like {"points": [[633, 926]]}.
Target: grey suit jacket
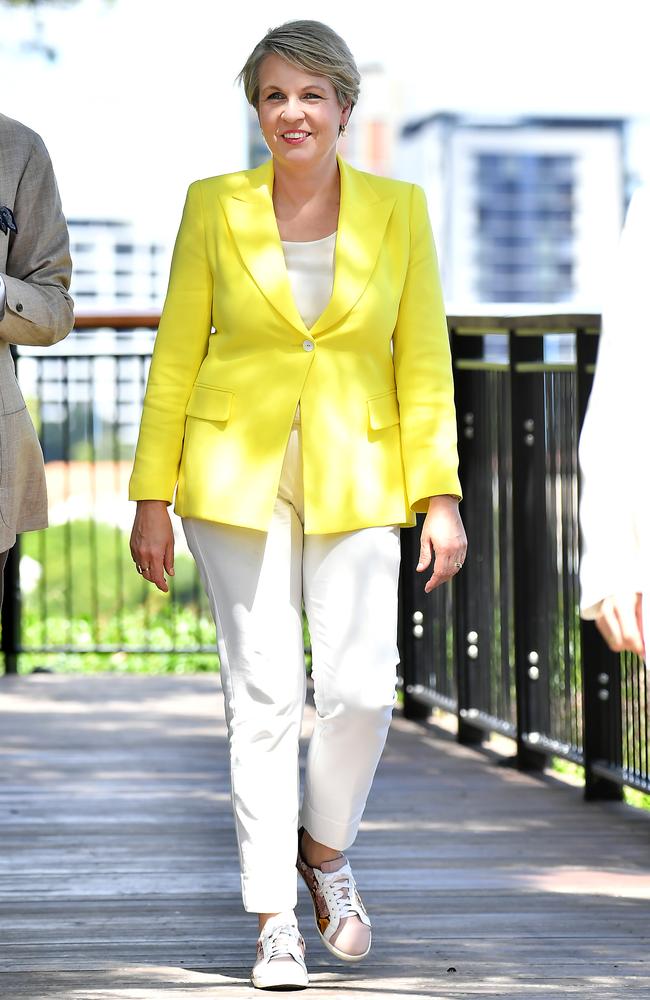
{"points": [[35, 265]]}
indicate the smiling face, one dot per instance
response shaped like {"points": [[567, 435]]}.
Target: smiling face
{"points": [[298, 111]]}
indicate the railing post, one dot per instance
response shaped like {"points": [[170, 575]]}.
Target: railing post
{"points": [[410, 645], [466, 347], [529, 524], [602, 736], [11, 610], [602, 731]]}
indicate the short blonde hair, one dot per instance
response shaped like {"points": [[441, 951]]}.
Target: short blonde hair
{"points": [[310, 45]]}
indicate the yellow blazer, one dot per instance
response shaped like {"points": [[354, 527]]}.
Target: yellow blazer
{"points": [[233, 358]]}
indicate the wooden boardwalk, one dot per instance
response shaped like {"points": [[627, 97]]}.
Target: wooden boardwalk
{"points": [[118, 873]]}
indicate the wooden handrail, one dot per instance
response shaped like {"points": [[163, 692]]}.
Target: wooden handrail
{"points": [[117, 320], [484, 317]]}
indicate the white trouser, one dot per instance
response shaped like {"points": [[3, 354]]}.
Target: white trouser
{"points": [[256, 583]]}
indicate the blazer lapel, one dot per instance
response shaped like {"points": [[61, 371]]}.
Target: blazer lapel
{"points": [[251, 219], [363, 217]]}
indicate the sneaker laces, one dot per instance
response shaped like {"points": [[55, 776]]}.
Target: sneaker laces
{"points": [[340, 885], [283, 940]]}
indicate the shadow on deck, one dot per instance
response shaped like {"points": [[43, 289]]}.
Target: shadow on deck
{"points": [[118, 862]]}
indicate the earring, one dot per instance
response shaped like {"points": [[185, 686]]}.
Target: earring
{"points": [[342, 129]]}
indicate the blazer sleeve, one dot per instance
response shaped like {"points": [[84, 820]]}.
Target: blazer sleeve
{"points": [[423, 371], [38, 307], [613, 447], [180, 347]]}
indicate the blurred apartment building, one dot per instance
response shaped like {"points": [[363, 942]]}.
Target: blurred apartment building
{"points": [[524, 210], [113, 269]]}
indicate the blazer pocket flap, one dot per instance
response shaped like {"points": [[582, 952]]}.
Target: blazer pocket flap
{"points": [[383, 410], [207, 403]]}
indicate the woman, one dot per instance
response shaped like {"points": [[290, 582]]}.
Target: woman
{"points": [[300, 401]]}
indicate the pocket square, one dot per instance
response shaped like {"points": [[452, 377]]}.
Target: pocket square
{"points": [[7, 221]]}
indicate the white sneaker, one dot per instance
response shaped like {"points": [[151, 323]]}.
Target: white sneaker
{"points": [[280, 961], [341, 918]]}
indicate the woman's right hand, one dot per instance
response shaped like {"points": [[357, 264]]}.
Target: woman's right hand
{"points": [[152, 542]]}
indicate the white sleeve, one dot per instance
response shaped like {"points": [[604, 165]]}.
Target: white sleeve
{"points": [[615, 439]]}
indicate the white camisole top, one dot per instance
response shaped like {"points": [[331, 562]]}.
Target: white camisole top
{"points": [[310, 266]]}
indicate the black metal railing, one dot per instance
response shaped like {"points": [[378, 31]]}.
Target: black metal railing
{"points": [[515, 657], [503, 648], [73, 589]]}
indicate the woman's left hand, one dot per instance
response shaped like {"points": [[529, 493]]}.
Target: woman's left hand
{"points": [[620, 622], [443, 539]]}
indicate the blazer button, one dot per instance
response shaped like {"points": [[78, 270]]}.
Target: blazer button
{"points": [[308, 345], [19, 307]]}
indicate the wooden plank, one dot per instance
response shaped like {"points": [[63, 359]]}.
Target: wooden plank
{"points": [[118, 862]]}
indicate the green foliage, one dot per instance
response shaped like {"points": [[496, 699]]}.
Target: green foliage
{"points": [[88, 574], [128, 630], [89, 595], [563, 766], [639, 800]]}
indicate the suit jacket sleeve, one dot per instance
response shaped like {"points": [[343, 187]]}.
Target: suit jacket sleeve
{"points": [[614, 440], [423, 371], [181, 344], [38, 307]]}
